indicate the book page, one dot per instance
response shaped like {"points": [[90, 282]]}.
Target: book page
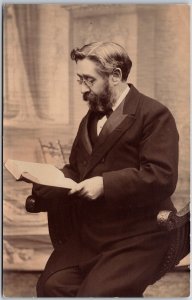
{"points": [[44, 174]]}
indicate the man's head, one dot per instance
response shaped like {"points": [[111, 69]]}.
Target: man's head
{"points": [[102, 67]]}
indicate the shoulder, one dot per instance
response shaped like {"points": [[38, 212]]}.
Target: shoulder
{"points": [[152, 108], [156, 117], [143, 104], [149, 104], [151, 113]]}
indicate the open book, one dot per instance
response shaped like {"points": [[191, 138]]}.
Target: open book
{"points": [[44, 174]]}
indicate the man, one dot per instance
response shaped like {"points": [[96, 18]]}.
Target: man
{"points": [[124, 160]]}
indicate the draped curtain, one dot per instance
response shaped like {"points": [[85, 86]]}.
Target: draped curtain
{"points": [[21, 60], [27, 19], [35, 64]]}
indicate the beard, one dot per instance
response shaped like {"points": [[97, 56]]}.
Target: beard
{"points": [[101, 102]]}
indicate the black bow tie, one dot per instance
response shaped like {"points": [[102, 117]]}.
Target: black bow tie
{"points": [[101, 114]]}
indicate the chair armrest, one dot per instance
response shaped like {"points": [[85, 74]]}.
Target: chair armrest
{"points": [[178, 226], [169, 220], [31, 205]]}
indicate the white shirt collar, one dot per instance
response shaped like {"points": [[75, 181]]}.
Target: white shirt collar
{"points": [[121, 98]]}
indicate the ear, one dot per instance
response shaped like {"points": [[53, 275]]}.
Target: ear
{"points": [[116, 75]]}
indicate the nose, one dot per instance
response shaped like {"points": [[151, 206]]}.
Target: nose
{"points": [[84, 88]]}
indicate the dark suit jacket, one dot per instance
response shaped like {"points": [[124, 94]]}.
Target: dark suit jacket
{"points": [[137, 155]]}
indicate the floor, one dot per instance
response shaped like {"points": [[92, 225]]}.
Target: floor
{"points": [[22, 284]]}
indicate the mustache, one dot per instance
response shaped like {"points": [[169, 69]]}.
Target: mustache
{"points": [[100, 102], [87, 95]]}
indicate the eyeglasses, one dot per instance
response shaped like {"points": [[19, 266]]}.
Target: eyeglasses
{"points": [[89, 82]]}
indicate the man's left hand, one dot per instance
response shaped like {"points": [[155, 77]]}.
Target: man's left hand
{"points": [[91, 189]]}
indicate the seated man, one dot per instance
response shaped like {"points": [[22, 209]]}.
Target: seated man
{"points": [[125, 162]]}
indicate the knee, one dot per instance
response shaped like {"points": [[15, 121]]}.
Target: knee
{"points": [[109, 290], [53, 288], [50, 287], [39, 287], [46, 288]]}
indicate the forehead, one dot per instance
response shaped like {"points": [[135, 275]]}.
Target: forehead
{"points": [[87, 67]]}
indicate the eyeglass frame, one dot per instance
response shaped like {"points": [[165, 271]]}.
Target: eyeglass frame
{"points": [[89, 84], [82, 80]]}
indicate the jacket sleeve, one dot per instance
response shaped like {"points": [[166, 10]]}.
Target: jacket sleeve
{"points": [[156, 177]]}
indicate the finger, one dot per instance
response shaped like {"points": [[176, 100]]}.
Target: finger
{"points": [[87, 197], [72, 191], [75, 190], [83, 193]]}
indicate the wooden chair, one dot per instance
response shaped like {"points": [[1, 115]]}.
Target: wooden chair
{"points": [[177, 224], [54, 152]]}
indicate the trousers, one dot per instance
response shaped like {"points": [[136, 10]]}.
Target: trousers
{"points": [[123, 274], [70, 282]]}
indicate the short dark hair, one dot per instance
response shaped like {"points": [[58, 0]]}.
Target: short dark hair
{"points": [[107, 55]]}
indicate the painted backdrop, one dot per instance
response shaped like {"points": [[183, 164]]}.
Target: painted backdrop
{"points": [[43, 105]]}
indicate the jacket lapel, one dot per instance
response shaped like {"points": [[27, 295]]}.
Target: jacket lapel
{"points": [[85, 136], [119, 122]]}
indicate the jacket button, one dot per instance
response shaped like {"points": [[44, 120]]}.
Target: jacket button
{"points": [[103, 160], [84, 162]]}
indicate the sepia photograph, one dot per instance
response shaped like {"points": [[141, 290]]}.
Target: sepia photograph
{"points": [[96, 150]]}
